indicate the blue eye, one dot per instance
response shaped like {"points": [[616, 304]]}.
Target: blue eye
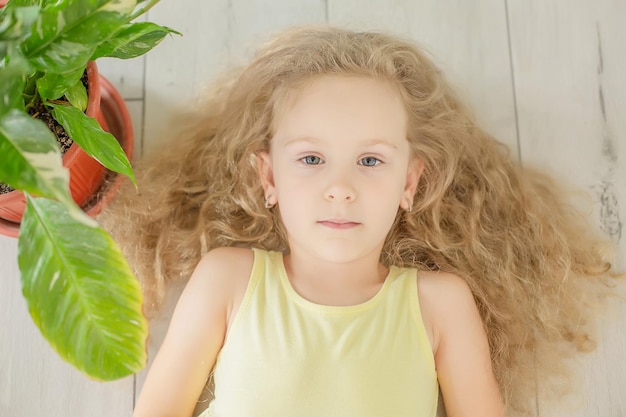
{"points": [[311, 160], [369, 161]]}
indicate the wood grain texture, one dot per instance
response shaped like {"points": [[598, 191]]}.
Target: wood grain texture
{"points": [[568, 61], [135, 108], [126, 75]]}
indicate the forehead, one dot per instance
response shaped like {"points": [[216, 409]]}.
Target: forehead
{"points": [[342, 107]]}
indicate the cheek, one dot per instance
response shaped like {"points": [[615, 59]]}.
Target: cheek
{"points": [[386, 196], [292, 182], [296, 211], [388, 206], [290, 188], [389, 186]]}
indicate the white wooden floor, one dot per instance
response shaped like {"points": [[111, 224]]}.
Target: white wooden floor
{"points": [[544, 76]]}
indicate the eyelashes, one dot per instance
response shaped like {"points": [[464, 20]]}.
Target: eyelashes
{"points": [[368, 161]]}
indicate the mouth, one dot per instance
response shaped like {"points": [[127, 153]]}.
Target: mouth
{"points": [[338, 224]]}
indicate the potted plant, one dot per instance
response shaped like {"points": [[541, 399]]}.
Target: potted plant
{"points": [[80, 291], [85, 173]]}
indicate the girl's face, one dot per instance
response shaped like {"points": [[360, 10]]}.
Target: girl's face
{"points": [[340, 166]]}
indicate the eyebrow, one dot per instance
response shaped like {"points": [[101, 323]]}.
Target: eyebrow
{"points": [[314, 140]]}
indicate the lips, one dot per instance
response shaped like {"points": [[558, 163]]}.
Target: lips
{"points": [[339, 224]]}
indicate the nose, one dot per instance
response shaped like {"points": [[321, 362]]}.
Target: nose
{"points": [[339, 189]]}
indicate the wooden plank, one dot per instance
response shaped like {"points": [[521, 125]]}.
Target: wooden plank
{"points": [[135, 108], [159, 323], [125, 75], [568, 61], [217, 35], [33, 379], [468, 40]]}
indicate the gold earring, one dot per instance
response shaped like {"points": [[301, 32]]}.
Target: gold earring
{"points": [[410, 208]]}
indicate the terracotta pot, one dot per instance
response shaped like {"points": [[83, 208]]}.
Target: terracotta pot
{"points": [[113, 116]]}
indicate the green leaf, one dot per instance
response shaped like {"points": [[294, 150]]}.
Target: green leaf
{"points": [[54, 85], [77, 96], [17, 20], [11, 87], [60, 57], [92, 139], [15, 24], [23, 3], [133, 41], [67, 33], [31, 159], [81, 292]]}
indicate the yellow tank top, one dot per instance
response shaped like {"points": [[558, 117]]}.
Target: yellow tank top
{"points": [[285, 356]]}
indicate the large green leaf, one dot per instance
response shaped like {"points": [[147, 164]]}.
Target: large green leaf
{"points": [[67, 33], [132, 41], [92, 139], [31, 159], [81, 292]]}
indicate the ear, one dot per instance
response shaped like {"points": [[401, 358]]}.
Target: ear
{"points": [[266, 175], [413, 174]]}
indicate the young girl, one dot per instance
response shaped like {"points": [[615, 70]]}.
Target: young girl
{"points": [[357, 243]]}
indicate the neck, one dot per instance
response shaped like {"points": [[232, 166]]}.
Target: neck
{"points": [[335, 283]]}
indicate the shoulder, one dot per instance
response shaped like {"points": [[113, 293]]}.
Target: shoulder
{"points": [[446, 301], [214, 289], [222, 271], [225, 263], [445, 288], [224, 274]]}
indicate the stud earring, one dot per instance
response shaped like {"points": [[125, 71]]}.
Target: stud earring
{"points": [[410, 206], [267, 204]]}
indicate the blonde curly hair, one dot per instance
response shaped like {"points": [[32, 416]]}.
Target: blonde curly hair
{"points": [[535, 266]]}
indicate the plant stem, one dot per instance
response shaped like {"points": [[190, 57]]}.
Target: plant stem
{"points": [[30, 91]]}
